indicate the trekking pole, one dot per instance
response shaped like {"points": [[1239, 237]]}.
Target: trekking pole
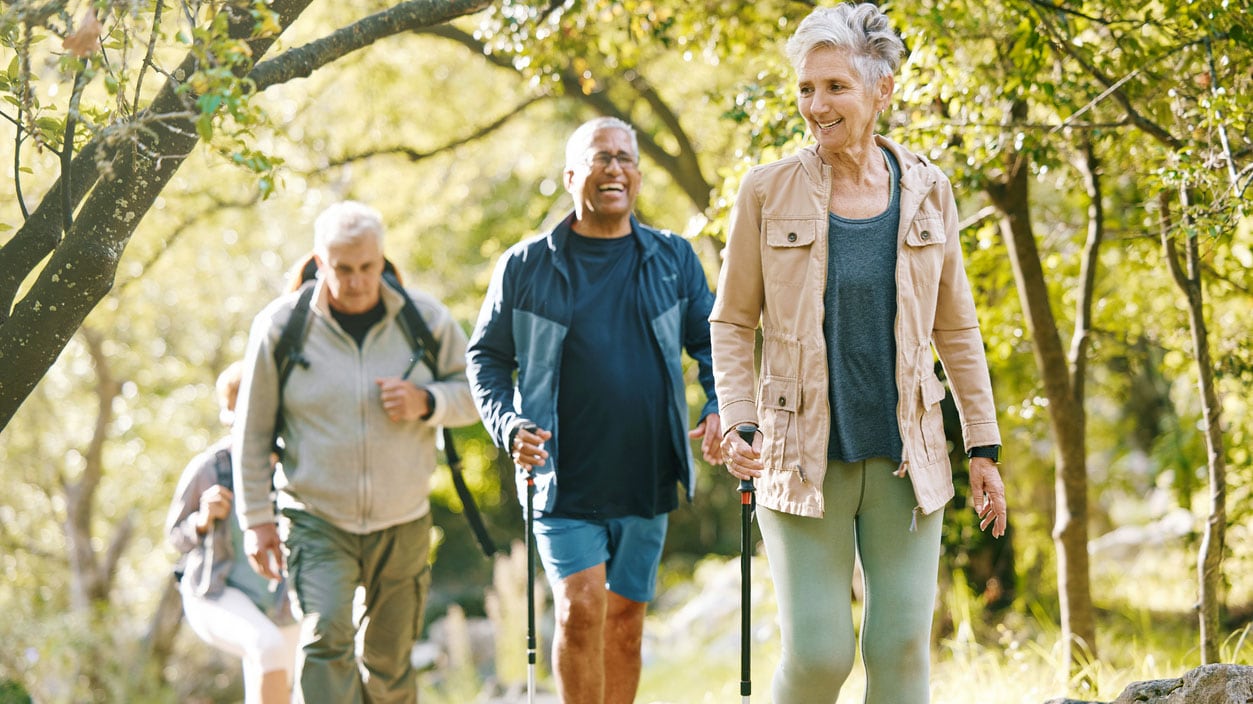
{"points": [[746, 587], [530, 576]]}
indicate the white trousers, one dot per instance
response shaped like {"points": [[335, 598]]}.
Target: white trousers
{"points": [[233, 624]]}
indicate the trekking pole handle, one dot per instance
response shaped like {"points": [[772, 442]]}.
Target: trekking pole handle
{"points": [[747, 432], [532, 428]]}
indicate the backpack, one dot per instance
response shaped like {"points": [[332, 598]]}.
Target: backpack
{"points": [[288, 354]]}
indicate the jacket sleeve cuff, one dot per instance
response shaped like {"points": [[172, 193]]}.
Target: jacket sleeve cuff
{"points": [[737, 413], [981, 434], [439, 404], [252, 519], [711, 406]]}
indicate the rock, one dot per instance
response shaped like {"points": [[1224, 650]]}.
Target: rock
{"points": [[1126, 542], [1208, 684]]}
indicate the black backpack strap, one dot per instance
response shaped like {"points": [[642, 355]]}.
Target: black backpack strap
{"points": [[290, 351], [468, 506], [420, 337], [427, 348], [222, 468]]}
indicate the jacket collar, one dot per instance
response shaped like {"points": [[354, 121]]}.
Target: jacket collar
{"points": [[645, 238], [918, 176], [392, 301]]}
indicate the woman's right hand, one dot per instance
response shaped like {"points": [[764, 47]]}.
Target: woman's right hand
{"points": [[743, 461], [215, 504]]}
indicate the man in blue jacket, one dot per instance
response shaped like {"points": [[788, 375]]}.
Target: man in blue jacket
{"points": [[594, 317]]}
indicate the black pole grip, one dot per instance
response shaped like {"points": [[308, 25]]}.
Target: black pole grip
{"points": [[747, 431]]}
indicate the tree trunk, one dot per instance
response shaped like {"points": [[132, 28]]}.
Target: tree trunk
{"points": [[1066, 413], [163, 629], [81, 269], [1209, 560]]}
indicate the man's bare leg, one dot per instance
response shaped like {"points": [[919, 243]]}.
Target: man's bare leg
{"points": [[624, 634], [579, 643]]}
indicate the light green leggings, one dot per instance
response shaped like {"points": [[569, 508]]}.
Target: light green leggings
{"points": [[868, 512]]}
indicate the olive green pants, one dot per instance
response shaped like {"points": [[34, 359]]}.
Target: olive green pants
{"points": [[869, 514], [325, 566]]}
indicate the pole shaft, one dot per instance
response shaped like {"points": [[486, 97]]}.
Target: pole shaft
{"points": [[747, 433]]}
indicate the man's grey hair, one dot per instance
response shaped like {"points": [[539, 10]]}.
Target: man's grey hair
{"points": [[860, 29], [347, 222], [576, 146]]}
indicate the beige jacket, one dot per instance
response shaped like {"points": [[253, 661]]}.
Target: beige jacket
{"points": [[775, 272], [345, 460]]}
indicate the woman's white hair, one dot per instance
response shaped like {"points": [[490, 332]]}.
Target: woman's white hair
{"points": [[347, 222], [577, 145], [861, 29]]}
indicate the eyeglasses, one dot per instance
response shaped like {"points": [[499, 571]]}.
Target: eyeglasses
{"points": [[602, 160]]}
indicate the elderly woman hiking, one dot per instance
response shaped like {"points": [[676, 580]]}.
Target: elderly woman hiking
{"points": [[847, 253]]}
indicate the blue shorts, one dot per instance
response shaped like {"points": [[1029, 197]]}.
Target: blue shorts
{"points": [[630, 548]]}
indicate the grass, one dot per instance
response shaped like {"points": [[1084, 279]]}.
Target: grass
{"points": [[1145, 631]]}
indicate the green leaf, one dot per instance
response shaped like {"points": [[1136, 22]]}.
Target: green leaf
{"points": [[204, 127], [50, 124]]}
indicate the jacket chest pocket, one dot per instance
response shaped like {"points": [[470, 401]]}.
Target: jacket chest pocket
{"points": [[923, 250], [788, 250]]}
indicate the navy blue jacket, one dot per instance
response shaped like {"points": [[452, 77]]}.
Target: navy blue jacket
{"points": [[522, 327]]}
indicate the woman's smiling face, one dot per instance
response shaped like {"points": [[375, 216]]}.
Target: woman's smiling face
{"points": [[838, 106]]}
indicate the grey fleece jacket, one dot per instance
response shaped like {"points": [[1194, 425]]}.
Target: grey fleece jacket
{"points": [[345, 461]]}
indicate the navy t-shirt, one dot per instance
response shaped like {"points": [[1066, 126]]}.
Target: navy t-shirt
{"points": [[615, 454]]}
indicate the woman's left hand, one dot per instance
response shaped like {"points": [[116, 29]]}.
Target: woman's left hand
{"points": [[988, 492]]}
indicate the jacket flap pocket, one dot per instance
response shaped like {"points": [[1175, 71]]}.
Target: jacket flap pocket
{"points": [[781, 393], [932, 390], [924, 232], [790, 233]]}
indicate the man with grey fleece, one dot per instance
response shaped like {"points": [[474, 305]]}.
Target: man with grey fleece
{"points": [[359, 428]]}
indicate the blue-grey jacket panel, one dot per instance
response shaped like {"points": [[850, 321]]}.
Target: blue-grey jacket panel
{"points": [[522, 327]]}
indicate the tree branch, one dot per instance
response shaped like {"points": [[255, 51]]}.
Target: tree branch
{"points": [[684, 168], [1169, 250], [1090, 167], [414, 155], [67, 151], [404, 17], [183, 226], [1069, 11], [80, 494], [1149, 127], [155, 32]]}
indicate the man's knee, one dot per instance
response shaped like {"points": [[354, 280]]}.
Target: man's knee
{"points": [[579, 601], [624, 622], [328, 634]]}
